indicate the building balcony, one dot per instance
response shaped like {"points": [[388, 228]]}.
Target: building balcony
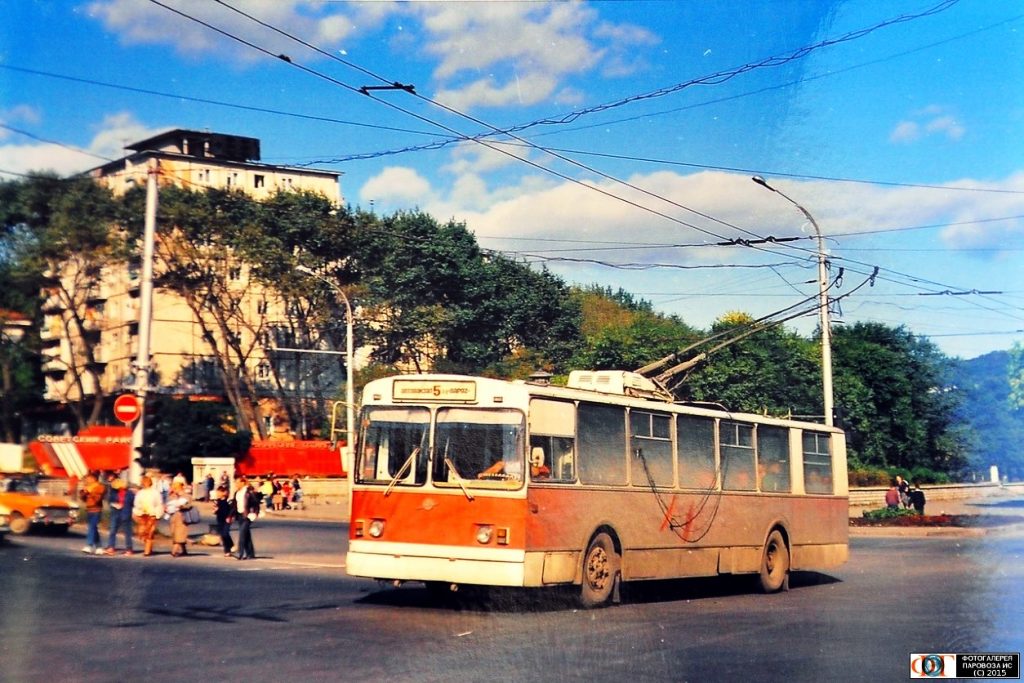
{"points": [[52, 304], [53, 365]]}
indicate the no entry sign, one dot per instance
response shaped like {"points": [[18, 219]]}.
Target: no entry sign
{"points": [[126, 408]]}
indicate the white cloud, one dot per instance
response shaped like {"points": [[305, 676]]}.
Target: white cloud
{"points": [[142, 22], [494, 54], [905, 131], [931, 120], [396, 186], [946, 125], [18, 114], [111, 135], [471, 157], [539, 207]]}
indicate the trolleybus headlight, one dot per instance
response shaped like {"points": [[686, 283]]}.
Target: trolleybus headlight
{"points": [[377, 528], [484, 533]]}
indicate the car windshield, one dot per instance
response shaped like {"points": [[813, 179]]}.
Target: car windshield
{"points": [[476, 447]]}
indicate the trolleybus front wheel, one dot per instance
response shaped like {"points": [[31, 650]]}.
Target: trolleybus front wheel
{"points": [[600, 571], [774, 564]]}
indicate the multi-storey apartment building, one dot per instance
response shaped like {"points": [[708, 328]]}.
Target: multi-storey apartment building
{"points": [[106, 313]]}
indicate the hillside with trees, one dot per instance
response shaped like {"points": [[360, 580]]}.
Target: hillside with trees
{"points": [[995, 417]]}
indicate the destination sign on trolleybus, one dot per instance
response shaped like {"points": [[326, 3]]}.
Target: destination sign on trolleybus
{"points": [[462, 391]]}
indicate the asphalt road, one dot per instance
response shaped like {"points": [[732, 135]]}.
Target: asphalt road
{"points": [[293, 615]]}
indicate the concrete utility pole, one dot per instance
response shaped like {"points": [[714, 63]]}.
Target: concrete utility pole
{"points": [[826, 330], [350, 417], [145, 318]]}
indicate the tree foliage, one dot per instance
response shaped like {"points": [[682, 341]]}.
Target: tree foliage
{"points": [[897, 399], [179, 430], [996, 421], [58, 239], [1015, 374], [623, 333], [775, 372]]}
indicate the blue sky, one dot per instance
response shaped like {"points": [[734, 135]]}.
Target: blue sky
{"points": [[920, 102]]}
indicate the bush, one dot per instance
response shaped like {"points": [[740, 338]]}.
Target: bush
{"points": [[923, 475], [869, 476], [887, 513]]}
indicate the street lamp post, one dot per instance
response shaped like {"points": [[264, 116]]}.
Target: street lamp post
{"points": [[350, 418], [826, 331]]}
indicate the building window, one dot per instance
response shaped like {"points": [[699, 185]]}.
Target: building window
{"points": [[258, 180]]}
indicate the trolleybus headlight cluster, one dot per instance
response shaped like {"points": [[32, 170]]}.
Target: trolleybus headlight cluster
{"points": [[376, 528], [485, 533]]}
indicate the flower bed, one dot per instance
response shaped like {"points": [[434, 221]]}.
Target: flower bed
{"points": [[907, 518]]}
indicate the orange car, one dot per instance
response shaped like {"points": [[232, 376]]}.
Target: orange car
{"points": [[27, 507]]}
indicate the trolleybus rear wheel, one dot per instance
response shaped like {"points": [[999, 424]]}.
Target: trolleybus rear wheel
{"points": [[600, 571], [774, 563]]}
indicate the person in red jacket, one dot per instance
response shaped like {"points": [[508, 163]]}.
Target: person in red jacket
{"points": [[892, 497]]}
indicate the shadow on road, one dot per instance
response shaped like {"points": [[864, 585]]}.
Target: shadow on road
{"points": [[538, 600]]}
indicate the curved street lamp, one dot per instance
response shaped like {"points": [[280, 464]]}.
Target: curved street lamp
{"points": [[349, 357], [826, 332]]}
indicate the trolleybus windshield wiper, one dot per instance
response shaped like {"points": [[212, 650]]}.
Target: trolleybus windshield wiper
{"points": [[458, 477], [454, 470], [401, 472]]}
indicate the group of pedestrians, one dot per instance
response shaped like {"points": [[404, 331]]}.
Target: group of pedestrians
{"points": [[135, 510], [904, 494], [278, 493]]}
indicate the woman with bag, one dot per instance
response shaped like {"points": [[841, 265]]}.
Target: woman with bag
{"points": [[177, 504]]}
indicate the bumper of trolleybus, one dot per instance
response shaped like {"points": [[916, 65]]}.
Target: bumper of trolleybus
{"points": [[487, 566]]}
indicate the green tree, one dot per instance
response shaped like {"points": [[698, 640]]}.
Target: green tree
{"points": [[996, 423], [901, 407], [1015, 375], [773, 371], [623, 333], [58, 240], [433, 298], [179, 430]]}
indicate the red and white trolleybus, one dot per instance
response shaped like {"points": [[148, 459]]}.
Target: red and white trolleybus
{"points": [[469, 480]]}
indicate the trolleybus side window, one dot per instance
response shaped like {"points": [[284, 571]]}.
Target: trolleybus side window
{"points": [[817, 463], [394, 445], [696, 439], [552, 440], [473, 445], [601, 438], [737, 446], [773, 458], [651, 445]]}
